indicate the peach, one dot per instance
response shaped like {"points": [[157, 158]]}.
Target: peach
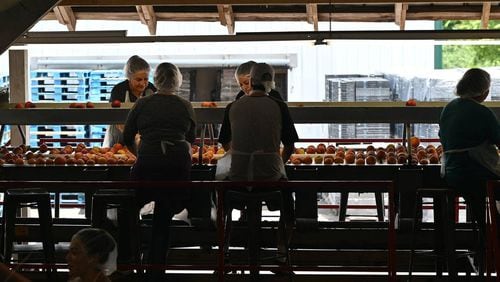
{"points": [[371, 160], [318, 160], [79, 161], [370, 148], [101, 160], [434, 159], [381, 155], [330, 149], [311, 149], [60, 160], [49, 161], [391, 160], [414, 141], [360, 161], [41, 161], [70, 161], [307, 160], [349, 158], [402, 158], [338, 160], [300, 151], [90, 162], [2, 162], [296, 161], [111, 161], [328, 161], [390, 148], [18, 161], [31, 161], [340, 154], [424, 161]]}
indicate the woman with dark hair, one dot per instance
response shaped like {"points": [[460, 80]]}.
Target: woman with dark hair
{"points": [[166, 124], [92, 256], [470, 135]]}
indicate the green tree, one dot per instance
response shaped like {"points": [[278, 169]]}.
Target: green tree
{"points": [[468, 56]]}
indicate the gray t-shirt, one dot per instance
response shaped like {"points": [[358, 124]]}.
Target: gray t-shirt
{"points": [[159, 118], [258, 125]]}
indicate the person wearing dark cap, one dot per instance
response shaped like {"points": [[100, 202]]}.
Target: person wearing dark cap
{"points": [[258, 125]]}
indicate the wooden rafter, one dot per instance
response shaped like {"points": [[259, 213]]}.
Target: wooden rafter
{"points": [[148, 17], [65, 16], [312, 15], [485, 15], [226, 17], [400, 14]]}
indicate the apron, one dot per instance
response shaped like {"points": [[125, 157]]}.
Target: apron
{"points": [[270, 156], [485, 154]]}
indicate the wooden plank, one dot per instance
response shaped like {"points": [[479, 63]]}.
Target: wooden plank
{"points": [[240, 2], [400, 14], [148, 17], [312, 15], [65, 16], [229, 18], [222, 18], [19, 82], [485, 15]]}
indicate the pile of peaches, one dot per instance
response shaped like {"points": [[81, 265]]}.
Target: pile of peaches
{"points": [[391, 154], [209, 154], [68, 155]]}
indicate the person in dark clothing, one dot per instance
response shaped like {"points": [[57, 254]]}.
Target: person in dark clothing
{"points": [[242, 76], [135, 86], [166, 125], [470, 135]]}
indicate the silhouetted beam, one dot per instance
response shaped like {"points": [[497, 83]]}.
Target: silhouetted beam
{"points": [[17, 17]]}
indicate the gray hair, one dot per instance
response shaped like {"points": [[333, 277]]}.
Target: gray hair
{"points": [[167, 77], [475, 82], [244, 69], [97, 242], [262, 77], [135, 64]]}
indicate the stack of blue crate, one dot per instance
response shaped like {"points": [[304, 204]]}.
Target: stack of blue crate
{"points": [[96, 131], [38, 132], [59, 85], [102, 82]]}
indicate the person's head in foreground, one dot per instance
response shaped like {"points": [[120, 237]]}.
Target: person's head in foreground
{"points": [[474, 84]]}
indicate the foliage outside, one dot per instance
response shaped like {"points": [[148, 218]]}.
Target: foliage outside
{"points": [[468, 56]]}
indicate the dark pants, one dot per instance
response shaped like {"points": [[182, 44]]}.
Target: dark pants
{"points": [[168, 201]]}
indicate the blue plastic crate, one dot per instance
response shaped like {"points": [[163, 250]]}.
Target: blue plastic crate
{"points": [[53, 73], [98, 74], [98, 128]]}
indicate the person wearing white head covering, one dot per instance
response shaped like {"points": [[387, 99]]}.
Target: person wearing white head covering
{"points": [[166, 124], [259, 125], [470, 135], [92, 256], [136, 85]]}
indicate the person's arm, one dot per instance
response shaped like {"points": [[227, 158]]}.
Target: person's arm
{"points": [[225, 130], [8, 275], [130, 130], [191, 133], [288, 132], [287, 152]]}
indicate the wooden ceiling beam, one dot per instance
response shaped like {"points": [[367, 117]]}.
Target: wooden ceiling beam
{"points": [[485, 15], [226, 17], [65, 16], [400, 14], [240, 2], [148, 17], [312, 15]]}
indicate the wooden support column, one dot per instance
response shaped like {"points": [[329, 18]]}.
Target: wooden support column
{"points": [[312, 15], [19, 81], [226, 17], [485, 15], [400, 14], [65, 16], [148, 17]]}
